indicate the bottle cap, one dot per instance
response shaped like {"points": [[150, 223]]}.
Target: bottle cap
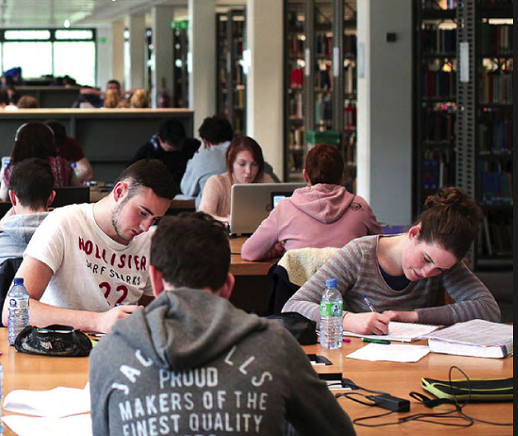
{"points": [[18, 280], [331, 283]]}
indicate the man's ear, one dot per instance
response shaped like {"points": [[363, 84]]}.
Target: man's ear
{"points": [[51, 198], [226, 290], [12, 197], [120, 190], [306, 177], [157, 280]]}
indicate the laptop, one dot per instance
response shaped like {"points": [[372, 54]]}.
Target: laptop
{"points": [[251, 203]]}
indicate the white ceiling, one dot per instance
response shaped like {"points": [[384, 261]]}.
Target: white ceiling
{"points": [[80, 13]]}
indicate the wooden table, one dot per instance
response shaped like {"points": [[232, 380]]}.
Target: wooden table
{"points": [[24, 371], [240, 267], [399, 379]]}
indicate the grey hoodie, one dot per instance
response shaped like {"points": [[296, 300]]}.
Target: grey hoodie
{"points": [[192, 364], [16, 232]]}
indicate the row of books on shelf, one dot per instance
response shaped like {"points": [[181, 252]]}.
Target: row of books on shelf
{"points": [[323, 77], [350, 115], [350, 74], [496, 137], [295, 105], [438, 41], [496, 238], [295, 45], [497, 87], [497, 38], [438, 171], [439, 84], [438, 126], [323, 109], [297, 77], [324, 44], [496, 188], [296, 138], [237, 28]]}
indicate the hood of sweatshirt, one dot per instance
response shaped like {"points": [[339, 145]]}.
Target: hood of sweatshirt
{"points": [[186, 328], [21, 227], [324, 202]]}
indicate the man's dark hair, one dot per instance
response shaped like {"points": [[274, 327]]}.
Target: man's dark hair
{"points": [[191, 250], [150, 173], [114, 82], [216, 130], [172, 131], [32, 182]]}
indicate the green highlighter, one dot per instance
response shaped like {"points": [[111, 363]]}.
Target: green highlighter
{"points": [[376, 341]]}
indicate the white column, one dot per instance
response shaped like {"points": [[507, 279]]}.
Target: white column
{"points": [[118, 52], [162, 70], [264, 27], [137, 50], [385, 108], [202, 59], [104, 56]]}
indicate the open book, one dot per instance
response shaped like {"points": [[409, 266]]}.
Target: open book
{"points": [[400, 332], [477, 338]]}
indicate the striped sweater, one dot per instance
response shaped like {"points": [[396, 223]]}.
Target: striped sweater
{"points": [[357, 271]]}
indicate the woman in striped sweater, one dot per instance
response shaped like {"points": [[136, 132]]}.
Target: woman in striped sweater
{"points": [[404, 276]]}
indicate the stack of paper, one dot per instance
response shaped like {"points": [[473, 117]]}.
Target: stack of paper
{"points": [[400, 332]]}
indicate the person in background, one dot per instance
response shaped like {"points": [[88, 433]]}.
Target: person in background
{"points": [[4, 98], [404, 276], [87, 264], [28, 102], [215, 133], [36, 139], [140, 99], [245, 164], [323, 214], [191, 332], [172, 146], [31, 194], [70, 149], [94, 97]]}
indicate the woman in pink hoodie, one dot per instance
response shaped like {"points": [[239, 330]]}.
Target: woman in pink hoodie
{"points": [[323, 214]]}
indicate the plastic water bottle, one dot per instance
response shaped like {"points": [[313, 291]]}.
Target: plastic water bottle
{"points": [[331, 310], [18, 298], [75, 170]]}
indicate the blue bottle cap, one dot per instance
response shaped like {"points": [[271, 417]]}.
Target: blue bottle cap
{"points": [[18, 280], [331, 283]]}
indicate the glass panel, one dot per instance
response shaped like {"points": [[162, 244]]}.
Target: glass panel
{"points": [[27, 34], [76, 59], [35, 58], [74, 34]]}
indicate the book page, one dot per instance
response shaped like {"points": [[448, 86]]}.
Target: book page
{"points": [[400, 332], [476, 332]]}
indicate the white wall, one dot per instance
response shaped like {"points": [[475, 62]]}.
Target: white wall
{"points": [[265, 81], [385, 108]]}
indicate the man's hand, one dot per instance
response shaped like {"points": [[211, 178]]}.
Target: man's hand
{"points": [[106, 319]]}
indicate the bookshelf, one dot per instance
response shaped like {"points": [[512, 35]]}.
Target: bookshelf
{"points": [[493, 130], [180, 71], [436, 109], [320, 80], [231, 79]]}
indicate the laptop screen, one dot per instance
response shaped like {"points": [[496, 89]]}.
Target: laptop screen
{"points": [[277, 197]]}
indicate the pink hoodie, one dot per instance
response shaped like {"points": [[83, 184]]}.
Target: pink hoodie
{"points": [[315, 216]]}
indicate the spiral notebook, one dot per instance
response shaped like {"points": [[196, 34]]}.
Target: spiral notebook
{"points": [[401, 332]]}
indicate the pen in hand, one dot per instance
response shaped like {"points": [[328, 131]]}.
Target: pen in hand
{"points": [[369, 304]]}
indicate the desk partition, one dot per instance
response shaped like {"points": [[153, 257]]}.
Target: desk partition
{"points": [[109, 137]]}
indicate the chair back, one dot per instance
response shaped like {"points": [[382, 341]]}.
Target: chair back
{"points": [[8, 270], [71, 195]]}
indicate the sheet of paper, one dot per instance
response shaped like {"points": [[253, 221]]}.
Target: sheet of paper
{"points": [[391, 353], [77, 425], [476, 332], [401, 331], [56, 403]]}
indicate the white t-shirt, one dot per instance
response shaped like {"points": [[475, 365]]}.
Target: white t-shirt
{"points": [[91, 271]]}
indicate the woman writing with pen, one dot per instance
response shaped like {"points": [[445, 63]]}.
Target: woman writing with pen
{"points": [[402, 277]]}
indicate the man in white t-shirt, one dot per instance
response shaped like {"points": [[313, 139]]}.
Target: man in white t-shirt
{"points": [[87, 264]]}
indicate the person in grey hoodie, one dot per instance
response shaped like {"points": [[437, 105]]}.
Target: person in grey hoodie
{"points": [[322, 214], [191, 363], [30, 193]]}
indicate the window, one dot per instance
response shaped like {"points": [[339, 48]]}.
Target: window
{"points": [[54, 52]]}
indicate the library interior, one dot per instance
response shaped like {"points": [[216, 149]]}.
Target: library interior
{"points": [[415, 94]]}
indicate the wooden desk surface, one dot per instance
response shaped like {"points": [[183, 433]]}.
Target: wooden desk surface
{"points": [[399, 379], [240, 267], [24, 371]]}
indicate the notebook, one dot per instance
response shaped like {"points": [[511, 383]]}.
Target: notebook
{"points": [[401, 332], [251, 203]]}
